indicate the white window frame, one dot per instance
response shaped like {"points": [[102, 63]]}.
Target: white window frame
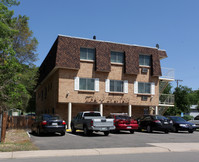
{"points": [[152, 88], [125, 86], [77, 86]]}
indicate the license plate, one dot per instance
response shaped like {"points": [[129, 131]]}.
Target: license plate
{"points": [[128, 127], [104, 128], [166, 123], [54, 123]]}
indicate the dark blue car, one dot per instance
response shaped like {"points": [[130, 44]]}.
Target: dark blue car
{"points": [[180, 124], [47, 123]]}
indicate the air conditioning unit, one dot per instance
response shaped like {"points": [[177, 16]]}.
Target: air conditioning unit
{"points": [[144, 98], [144, 70]]}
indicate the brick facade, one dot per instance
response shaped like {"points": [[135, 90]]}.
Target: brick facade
{"points": [[56, 84]]}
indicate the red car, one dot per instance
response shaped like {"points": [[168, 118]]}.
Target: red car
{"points": [[123, 122]]}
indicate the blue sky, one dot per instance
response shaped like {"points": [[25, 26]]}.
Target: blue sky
{"points": [[174, 25]]}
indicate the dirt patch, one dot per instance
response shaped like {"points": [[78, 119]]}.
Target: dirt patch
{"points": [[17, 140]]}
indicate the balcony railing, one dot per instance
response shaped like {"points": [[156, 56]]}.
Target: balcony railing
{"points": [[167, 74], [166, 99]]}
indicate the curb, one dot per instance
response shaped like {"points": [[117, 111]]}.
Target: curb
{"points": [[80, 152], [155, 148]]}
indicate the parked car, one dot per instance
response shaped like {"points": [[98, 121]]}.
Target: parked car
{"points": [[195, 121], [155, 122], [47, 123], [90, 121], [123, 122], [180, 124]]}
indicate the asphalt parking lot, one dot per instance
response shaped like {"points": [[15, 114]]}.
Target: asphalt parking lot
{"points": [[114, 140]]}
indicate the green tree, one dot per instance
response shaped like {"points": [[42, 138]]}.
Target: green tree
{"points": [[9, 66], [17, 52], [182, 101], [24, 43]]}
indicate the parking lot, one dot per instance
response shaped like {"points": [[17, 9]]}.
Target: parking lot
{"points": [[114, 140]]}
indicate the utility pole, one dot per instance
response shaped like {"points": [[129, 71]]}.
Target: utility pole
{"points": [[178, 80]]}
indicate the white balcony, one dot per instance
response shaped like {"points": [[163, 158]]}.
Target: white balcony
{"points": [[166, 100], [167, 74]]}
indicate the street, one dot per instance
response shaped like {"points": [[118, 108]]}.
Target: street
{"points": [[147, 157], [98, 140]]}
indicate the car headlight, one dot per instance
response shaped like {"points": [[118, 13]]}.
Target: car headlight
{"points": [[193, 125], [183, 125]]}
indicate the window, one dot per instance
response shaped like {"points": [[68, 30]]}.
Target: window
{"points": [[91, 84], [117, 57], [87, 54], [145, 60], [86, 84], [144, 88], [116, 86]]}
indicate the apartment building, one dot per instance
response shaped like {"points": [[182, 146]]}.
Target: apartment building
{"points": [[81, 74]]}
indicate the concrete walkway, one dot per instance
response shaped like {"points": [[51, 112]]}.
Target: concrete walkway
{"points": [[156, 148]]}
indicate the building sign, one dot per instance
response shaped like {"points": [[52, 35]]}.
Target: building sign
{"points": [[112, 99]]}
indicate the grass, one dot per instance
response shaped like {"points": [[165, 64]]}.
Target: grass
{"points": [[17, 140]]}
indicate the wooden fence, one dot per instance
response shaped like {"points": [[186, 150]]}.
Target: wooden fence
{"points": [[14, 122], [19, 122]]}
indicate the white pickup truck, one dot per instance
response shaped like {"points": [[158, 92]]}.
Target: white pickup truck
{"points": [[195, 121], [90, 121]]}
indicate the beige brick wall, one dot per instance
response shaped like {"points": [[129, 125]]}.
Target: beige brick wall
{"points": [[62, 81], [68, 94], [50, 101]]}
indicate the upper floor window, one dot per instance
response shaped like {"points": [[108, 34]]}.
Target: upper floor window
{"points": [[117, 57], [88, 84], [87, 54], [145, 60], [116, 86]]}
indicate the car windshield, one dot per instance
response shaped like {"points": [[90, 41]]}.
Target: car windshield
{"points": [[178, 119], [51, 117], [122, 117], [158, 117], [92, 114]]}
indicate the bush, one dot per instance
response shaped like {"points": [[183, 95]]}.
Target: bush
{"points": [[187, 117]]}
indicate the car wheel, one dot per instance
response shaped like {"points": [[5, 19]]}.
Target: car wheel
{"points": [[106, 133], [86, 131], [190, 131], [131, 131], [63, 133], [166, 131], [38, 132], [73, 129], [149, 129], [175, 129]]}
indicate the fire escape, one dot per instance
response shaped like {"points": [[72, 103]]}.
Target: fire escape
{"points": [[165, 100]]}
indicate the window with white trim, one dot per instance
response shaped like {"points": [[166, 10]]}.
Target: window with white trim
{"points": [[116, 86], [88, 84], [145, 60], [144, 88], [117, 57], [87, 54]]}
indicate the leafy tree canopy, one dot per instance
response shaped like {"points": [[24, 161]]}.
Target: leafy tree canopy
{"points": [[17, 53]]}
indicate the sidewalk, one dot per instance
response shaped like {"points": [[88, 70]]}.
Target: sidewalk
{"points": [[156, 148]]}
